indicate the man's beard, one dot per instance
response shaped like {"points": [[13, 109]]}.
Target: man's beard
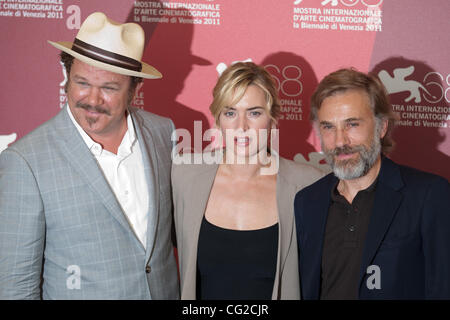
{"points": [[354, 168]]}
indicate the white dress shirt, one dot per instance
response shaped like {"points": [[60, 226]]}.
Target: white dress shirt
{"points": [[124, 172]]}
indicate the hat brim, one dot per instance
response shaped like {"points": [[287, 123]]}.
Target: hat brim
{"points": [[147, 71]]}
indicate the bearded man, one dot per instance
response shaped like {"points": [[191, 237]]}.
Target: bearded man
{"points": [[372, 229]]}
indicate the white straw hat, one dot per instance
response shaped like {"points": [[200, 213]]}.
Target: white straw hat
{"points": [[109, 45]]}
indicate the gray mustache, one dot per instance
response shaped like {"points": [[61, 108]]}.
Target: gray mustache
{"points": [[345, 150]]}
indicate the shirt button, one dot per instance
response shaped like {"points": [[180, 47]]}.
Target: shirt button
{"points": [[126, 192], [148, 269], [351, 228]]}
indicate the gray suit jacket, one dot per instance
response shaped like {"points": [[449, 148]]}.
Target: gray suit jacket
{"points": [[60, 219], [191, 185]]}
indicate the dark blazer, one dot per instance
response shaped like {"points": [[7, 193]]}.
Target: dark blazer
{"points": [[408, 236]]}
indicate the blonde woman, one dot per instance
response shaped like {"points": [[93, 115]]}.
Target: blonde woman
{"points": [[234, 219]]}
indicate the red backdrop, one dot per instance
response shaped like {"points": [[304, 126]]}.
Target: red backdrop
{"points": [[300, 41]]}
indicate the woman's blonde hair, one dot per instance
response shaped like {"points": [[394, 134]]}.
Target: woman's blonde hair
{"points": [[233, 83]]}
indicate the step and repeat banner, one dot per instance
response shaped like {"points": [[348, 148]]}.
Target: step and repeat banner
{"points": [[405, 42]]}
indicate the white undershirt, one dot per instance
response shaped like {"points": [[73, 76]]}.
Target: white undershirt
{"points": [[125, 175]]}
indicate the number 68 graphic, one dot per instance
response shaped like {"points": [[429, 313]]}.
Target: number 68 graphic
{"points": [[443, 93], [281, 83]]}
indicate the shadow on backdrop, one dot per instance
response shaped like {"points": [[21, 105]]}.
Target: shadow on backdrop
{"points": [[296, 88], [168, 49], [413, 86]]}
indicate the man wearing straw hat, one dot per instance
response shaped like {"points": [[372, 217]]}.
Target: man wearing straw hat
{"points": [[85, 199]]}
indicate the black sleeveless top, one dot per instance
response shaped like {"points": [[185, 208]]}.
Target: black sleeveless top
{"points": [[235, 264]]}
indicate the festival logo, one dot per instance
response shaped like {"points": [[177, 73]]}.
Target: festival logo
{"points": [[33, 9], [343, 15], [290, 88], [62, 84], [397, 83], [177, 12], [138, 100], [418, 101], [348, 3]]}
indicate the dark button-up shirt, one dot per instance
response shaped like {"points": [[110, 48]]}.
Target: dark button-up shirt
{"points": [[345, 234]]}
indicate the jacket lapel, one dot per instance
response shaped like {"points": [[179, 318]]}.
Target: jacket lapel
{"points": [[81, 159], [316, 220], [196, 207], [201, 195], [151, 171], [387, 201], [284, 193]]}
